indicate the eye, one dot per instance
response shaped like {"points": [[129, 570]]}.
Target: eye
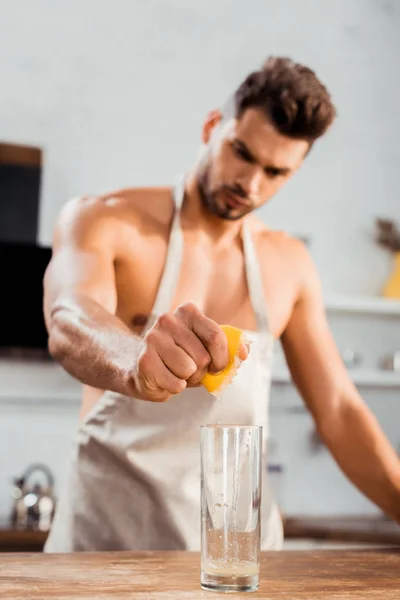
{"points": [[242, 153], [272, 173]]}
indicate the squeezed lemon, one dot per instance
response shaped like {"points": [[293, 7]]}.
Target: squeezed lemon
{"points": [[215, 383]]}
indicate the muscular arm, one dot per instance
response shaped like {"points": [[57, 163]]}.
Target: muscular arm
{"points": [[94, 345], [345, 423], [85, 336]]}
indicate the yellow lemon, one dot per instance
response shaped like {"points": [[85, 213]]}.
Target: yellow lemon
{"points": [[216, 383]]}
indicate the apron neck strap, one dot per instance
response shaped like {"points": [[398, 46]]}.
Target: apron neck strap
{"points": [[254, 280], [173, 263]]}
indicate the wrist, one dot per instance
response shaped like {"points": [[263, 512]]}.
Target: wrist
{"points": [[126, 368]]}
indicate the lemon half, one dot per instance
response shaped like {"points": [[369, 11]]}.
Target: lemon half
{"points": [[216, 383]]}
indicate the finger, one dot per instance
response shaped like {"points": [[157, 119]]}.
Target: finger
{"points": [[243, 351], [176, 327], [186, 339], [176, 358], [210, 334], [155, 378], [193, 385]]}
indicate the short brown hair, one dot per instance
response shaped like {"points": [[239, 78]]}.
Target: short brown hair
{"points": [[290, 95]]}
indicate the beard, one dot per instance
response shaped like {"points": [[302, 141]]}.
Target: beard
{"points": [[216, 205]]}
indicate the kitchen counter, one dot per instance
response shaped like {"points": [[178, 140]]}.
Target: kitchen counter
{"points": [[294, 575], [358, 529], [373, 529], [22, 540]]}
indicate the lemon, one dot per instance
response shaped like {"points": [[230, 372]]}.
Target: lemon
{"points": [[216, 383]]}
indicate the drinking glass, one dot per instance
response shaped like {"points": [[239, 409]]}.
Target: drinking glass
{"points": [[230, 507]]}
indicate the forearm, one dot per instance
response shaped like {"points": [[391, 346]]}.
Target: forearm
{"points": [[362, 451], [93, 345]]}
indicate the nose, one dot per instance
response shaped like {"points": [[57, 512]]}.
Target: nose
{"points": [[250, 180]]}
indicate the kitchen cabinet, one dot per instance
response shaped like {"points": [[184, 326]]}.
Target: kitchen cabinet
{"points": [[20, 187]]}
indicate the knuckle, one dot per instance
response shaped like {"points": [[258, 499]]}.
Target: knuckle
{"points": [[151, 336], [190, 367], [184, 367], [189, 308], [216, 338], [203, 361], [176, 387], [165, 321]]}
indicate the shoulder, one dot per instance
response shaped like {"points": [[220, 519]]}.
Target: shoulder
{"points": [[288, 247], [289, 252], [112, 213]]}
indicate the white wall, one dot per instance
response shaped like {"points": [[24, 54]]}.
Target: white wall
{"points": [[115, 93]]}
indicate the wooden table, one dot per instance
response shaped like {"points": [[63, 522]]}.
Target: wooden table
{"points": [[293, 575]]}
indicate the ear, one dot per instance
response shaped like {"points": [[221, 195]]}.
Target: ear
{"points": [[212, 120]]}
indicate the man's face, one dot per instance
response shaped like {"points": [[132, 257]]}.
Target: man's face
{"points": [[246, 162]]}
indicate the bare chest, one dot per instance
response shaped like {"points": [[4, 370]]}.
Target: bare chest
{"points": [[215, 281]]}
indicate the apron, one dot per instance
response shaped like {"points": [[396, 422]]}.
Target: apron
{"points": [[133, 478]]}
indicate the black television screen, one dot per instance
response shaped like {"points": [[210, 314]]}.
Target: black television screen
{"points": [[22, 268]]}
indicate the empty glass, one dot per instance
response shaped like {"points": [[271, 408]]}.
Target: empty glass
{"points": [[230, 507]]}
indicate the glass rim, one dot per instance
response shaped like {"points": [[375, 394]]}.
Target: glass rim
{"points": [[221, 426]]}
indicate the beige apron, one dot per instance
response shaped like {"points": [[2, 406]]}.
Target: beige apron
{"points": [[134, 473]]}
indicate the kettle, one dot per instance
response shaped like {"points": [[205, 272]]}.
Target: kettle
{"points": [[33, 504]]}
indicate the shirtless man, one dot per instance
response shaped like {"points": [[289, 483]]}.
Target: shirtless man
{"points": [[140, 281]]}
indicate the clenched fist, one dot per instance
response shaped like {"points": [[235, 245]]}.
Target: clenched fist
{"points": [[178, 351]]}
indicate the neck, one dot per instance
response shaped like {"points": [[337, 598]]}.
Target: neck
{"points": [[199, 219]]}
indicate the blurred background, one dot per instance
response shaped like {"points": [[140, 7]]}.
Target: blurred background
{"points": [[97, 95]]}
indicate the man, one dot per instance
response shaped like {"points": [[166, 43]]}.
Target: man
{"points": [[138, 286]]}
